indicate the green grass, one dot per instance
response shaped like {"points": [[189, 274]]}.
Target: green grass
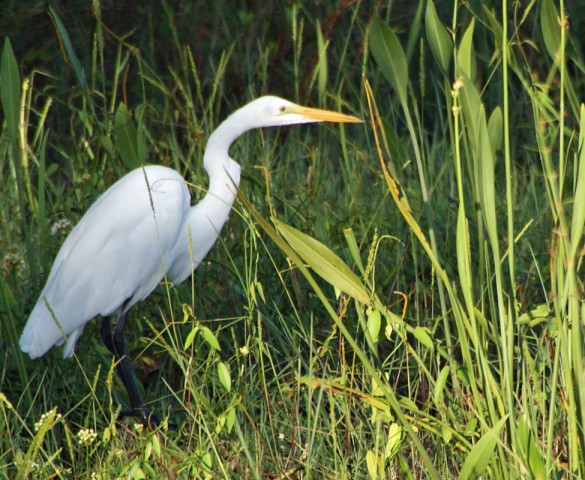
{"points": [[432, 330]]}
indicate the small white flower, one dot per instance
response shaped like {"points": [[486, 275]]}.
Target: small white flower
{"points": [[61, 226], [86, 437], [13, 260]]}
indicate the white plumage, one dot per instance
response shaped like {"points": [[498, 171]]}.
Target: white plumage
{"points": [[138, 231]]}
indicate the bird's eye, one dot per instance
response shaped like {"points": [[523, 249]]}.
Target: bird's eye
{"points": [[282, 109]]}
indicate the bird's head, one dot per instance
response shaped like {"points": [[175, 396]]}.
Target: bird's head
{"points": [[270, 111]]}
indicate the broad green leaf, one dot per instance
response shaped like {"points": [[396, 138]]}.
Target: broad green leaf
{"points": [[210, 338], [190, 338], [481, 454], [372, 465], [147, 451], [496, 129], [414, 26], [10, 91], [466, 64], [440, 385], [389, 56], [230, 419], [487, 182], [136, 473], [373, 323], [446, 433], [551, 30], [127, 138], [471, 425], [323, 261], [470, 102], [422, 335], [578, 220], [439, 39], [155, 442], [395, 434], [224, 376], [530, 449]]}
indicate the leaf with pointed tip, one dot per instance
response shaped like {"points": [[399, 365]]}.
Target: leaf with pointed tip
{"points": [[10, 91], [466, 63], [323, 261], [481, 454], [72, 57], [439, 39], [127, 138], [530, 449], [551, 30], [496, 129], [224, 376], [210, 338], [578, 220], [390, 57]]}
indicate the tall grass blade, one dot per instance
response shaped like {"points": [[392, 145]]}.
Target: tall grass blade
{"points": [[321, 64], [68, 46]]}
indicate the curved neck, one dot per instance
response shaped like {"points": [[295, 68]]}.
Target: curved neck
{"points": [[217, 148]]}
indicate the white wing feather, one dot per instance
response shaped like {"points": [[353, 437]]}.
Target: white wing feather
{"points": [[113, 257]]}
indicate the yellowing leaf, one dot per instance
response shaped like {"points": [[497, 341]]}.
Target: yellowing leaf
{"points": [[372, 464]]}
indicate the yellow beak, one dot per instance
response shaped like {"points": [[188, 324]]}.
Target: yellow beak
{"points": [[319, 115]]}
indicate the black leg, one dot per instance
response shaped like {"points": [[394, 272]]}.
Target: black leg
{"points": [[117, 345]]}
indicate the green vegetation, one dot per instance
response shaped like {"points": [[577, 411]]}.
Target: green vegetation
{"points": [[398, 299]]}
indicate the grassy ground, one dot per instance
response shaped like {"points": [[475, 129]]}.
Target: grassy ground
{"points": [[435, 331]]}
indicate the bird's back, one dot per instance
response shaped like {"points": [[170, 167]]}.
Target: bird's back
{"points": [[114, 257]]}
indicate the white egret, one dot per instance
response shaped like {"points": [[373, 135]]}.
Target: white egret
{"points": [[141, 230]]}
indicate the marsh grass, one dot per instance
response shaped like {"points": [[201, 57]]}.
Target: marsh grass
{"points": [[400, 299]]}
